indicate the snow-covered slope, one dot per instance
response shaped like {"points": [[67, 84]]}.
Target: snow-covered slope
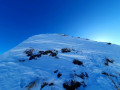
{"points": [[60, 62]]}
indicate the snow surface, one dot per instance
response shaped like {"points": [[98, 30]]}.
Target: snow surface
{"points": [[17, 72]]}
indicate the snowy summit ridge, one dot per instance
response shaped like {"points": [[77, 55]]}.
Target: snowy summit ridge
{"points": [[60, 62]]}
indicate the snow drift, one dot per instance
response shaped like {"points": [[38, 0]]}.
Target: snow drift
{"points": [[60, 62]]}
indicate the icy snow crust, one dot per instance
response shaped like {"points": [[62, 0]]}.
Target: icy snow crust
{"points": [[39, 73]]}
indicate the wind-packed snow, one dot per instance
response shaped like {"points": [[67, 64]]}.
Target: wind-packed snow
{"points": [[87, 65]]}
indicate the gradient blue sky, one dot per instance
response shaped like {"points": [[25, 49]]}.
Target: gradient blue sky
{"points": [[93, 19]]}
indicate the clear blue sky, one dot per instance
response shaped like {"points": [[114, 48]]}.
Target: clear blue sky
{"points": [[93, 19]]}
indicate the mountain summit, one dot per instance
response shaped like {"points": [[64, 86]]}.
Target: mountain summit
{"points": [[60, 62]]}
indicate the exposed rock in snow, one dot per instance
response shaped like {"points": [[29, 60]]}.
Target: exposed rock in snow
{"points": [[60, 62]]}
